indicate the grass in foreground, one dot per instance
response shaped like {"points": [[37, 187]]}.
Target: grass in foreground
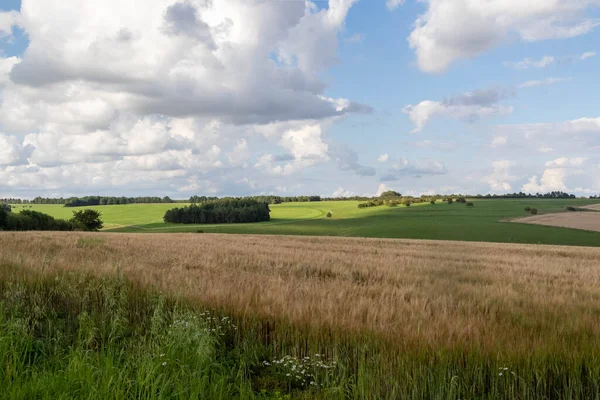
{"points": [[90, 316]]}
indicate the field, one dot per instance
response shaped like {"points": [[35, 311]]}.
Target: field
{"points": [[580, 220], [441, 221], [125, 315]]}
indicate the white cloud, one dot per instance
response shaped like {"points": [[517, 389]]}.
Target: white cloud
{"points": [[469, 107], [587, 55], [456, 29], [383, 158], [402, 167], [499, 141], [527, 63], [191, 91], [544, 82], [555, 176], [393, 4], [500, 179], [341, 192]]}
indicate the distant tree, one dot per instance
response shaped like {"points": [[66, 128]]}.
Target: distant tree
{"points": [[432, 202], [88, 220], [469, 204], [450, 201], [329, 214], [461, 200], [533, 211], [4, 211], [390, 193], [527, 209]]}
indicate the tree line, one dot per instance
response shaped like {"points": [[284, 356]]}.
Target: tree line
{"points": [[221, 211], [29, 220]]}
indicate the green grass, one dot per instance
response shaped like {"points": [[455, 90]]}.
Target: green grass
{"points": [[484, 222], [68, 335]]}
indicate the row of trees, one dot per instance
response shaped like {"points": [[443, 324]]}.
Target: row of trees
{"points": [[222, 211], [29, 220], [106, 201]]}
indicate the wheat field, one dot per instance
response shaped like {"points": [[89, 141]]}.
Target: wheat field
{"points": [[398, 310]]}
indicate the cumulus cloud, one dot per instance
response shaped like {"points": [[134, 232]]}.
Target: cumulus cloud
{"points": [[469, 107], [555, 175], [193, 92], [498, 141], [341, 192], [456, 29], [383, 158], [500, 178]]}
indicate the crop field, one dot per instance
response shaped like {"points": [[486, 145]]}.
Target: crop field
{"points": [[270, 317], [581, 220], [486, 221]]}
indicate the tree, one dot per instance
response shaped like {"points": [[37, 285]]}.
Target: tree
{"points": [[88, 220], [533, 211], [450, 201], [4, 211], [390, 193], [432, 202], [329, 214], [469, 204]]}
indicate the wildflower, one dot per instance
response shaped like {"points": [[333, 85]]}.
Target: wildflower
{"points": [[500, 374], [164, 363], [162, 355]]}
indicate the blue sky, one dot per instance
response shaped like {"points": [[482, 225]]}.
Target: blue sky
{"points": [[346, 97]]}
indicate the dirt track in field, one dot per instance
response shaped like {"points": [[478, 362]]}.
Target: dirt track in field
{"points": [[589, 221]]}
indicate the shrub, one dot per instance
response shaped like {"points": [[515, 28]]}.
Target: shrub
{"points": [[461, 200], [28, 220], [329, 214], [450, 201], [533, 211], [469, 204], [88, 220], [432, 202], [527, 209], [407, 204]]}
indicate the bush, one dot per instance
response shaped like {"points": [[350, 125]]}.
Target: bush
{"points": [[329, 214], [432, 202], [88, 220], [450, 201], [461, 200], [527, 209], [533, 211], [469, 204]]}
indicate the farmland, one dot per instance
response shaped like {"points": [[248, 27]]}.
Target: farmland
{"points": [[124, 315], [484, 222]]}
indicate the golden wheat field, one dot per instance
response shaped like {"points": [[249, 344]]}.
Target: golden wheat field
{"points": [[517, 298]]}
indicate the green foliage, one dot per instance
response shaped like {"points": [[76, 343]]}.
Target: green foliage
{"points": [[107, 201], [450, 201], [390, 193], [534, 211], [30, 220], [461, 200], [222, 211], [527, 209], [469, 204], [329, 214], [4, 211], [88, 220], [432, 202], [75, 336]]}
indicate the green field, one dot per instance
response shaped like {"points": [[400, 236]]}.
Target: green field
{"points": [[484, 222]]}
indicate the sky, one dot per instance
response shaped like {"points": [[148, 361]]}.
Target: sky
{"points": [[289, 97]]}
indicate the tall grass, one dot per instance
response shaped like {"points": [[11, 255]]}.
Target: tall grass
{"points": [[304, 317]]}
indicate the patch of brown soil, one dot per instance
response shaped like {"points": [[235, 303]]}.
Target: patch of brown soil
{"points": [[589, 221]]}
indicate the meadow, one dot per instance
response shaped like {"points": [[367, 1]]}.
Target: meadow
{"points": [[269, 317], [486, 221]]}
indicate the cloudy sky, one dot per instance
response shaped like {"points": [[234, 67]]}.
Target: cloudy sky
{"points": [[338, 97]]}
